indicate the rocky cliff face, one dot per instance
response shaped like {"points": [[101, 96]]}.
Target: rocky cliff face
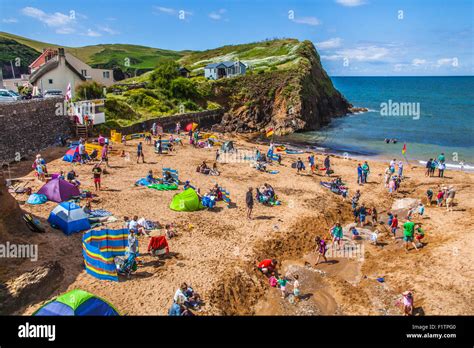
{"points": [[301, 98]]}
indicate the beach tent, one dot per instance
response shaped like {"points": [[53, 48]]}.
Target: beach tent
{"points": [[77, 303], [72, 155], [227, 146], [69, 218], [37, 199], [99, 248], [187, 200], [191, 126], [58, 190]]}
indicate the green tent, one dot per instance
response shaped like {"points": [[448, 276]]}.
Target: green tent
{"points": [[187, 200]]}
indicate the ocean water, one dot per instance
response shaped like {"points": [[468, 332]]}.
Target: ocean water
{"points": [[444, 123]]}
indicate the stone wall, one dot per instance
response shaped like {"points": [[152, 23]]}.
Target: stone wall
{"points": [[29, 126], [205, 119]]}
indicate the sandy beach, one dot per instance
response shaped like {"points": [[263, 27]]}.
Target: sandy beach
{"points": [[216, 250]]}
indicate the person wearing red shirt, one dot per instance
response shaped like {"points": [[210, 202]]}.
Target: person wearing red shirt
{"points": [[267, 266], [394, 226]]}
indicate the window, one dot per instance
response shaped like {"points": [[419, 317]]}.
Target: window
{"points": [[50, 81], [106, 74], [84, 72]]}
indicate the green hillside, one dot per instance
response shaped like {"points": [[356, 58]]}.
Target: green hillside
{"points": [[103, 55]]}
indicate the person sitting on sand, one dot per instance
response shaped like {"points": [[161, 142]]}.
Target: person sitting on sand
{"points": [[214, 170], [134, 225], [150, 178], [354, 233], [419, 235], [187, 185], [170, 232], [203, 168], [273, 281], [337, 234], [268, 266], [321, 248], [168, 178], [408, 303], [72, 178]]}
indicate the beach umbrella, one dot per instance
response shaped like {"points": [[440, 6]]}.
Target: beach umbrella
{"points": [[191, 126]]}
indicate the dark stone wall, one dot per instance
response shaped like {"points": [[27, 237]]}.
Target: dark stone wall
{"points": [[29, 126], [205, 119]]}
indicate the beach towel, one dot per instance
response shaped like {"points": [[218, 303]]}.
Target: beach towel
{"points": [[273, 172], [36, 198], [158, 244], [142, 182], [100, 213], [294, 152], [163, 187]]}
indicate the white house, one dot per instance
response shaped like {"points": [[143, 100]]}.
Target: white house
{"points": [[216, 71], [55, 69]]}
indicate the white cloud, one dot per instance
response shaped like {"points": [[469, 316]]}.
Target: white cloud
{"points": [[108, 30], [56, 19], [307, 20], [351, 3], [166, 10], [361, 53], [92, 33], [217, 15], [329, 44], [65, 30], [418, 62], [170, 11], [447, 61], [9, 20]]}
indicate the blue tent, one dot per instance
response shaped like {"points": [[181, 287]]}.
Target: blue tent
{"points": [[69, 217], [77, 303]]}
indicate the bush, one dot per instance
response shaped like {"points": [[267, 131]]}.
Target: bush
{"points": [[183, 88], [89, 90], [162, 76]]}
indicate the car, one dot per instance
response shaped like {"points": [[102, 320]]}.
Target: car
{"points": [[53, 93], [7, 96]]}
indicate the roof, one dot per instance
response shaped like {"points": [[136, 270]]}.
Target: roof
{"points": [[227, 64], [51, 65]]}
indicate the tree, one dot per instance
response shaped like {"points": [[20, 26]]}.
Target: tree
{"points": [[183, 88], [90, 90], [162, 76]]}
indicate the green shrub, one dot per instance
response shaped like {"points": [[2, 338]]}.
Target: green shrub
{"points": [[89, 90]]}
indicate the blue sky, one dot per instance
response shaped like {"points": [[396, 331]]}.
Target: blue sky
{"points": [[353, 37]]}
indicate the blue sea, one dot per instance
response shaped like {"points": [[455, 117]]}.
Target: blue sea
{"points": [[445, 122]]}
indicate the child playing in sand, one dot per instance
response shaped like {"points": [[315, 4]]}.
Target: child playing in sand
{"points": [[296, 288], [282, 281], [374, 216], [337, 234], [273, 281], [170, 232], [439, 198], [322, 248], [421, 209], [407, 303], [374, 237], [419, 235], [355, 234], [394, 226], [429, 197]]}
